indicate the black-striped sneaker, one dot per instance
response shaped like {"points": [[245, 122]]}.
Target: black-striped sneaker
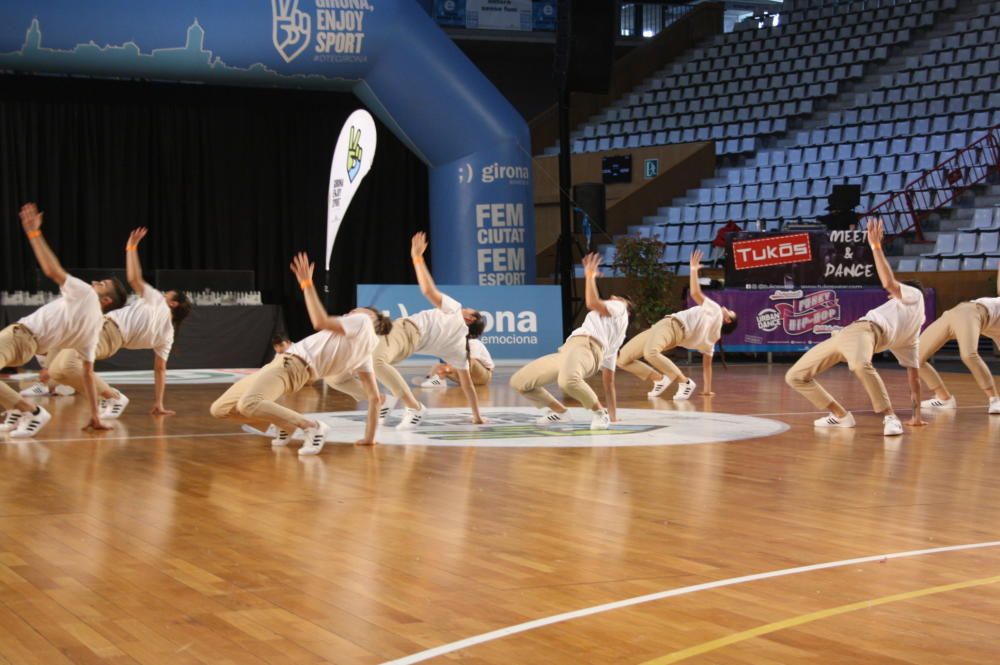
{"points": [[830, 420], [10, 419], [31, 424], [281, 437], [551, 417]]}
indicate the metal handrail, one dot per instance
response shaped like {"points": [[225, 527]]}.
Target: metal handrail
{"points": [[908, 208]]}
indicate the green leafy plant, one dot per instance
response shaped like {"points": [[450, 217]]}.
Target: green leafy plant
{"points": [[650, 283]]}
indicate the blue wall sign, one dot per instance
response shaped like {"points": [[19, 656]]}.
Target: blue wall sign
{"points": [[522, 322]]}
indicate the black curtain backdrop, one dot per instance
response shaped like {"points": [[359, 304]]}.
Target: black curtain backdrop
{"points": [[225, 178]]}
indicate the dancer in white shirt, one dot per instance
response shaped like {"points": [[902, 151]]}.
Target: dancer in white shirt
{"points": [[893, 326], [70, 322], [697, 328], [147, 323], [342, 348], [481, 368], [590, 348], [964, 322], [442, 332]]}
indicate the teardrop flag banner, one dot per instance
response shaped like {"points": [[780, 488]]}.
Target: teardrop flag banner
{"points": [[352, 159]]}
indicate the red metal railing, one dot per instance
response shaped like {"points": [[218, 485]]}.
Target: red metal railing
{"points": [[905, 210]]}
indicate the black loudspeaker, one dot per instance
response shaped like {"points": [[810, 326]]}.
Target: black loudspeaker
{"points": [[844, 197], [589, 197], [585, 42]]}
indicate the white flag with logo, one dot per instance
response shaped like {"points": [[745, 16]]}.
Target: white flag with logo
{"points": [[352, 159]]}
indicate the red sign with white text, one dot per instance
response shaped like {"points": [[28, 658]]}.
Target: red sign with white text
{"points": [[773, 251]]}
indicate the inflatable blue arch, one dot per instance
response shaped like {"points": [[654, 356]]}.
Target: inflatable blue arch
{"points": [[388, 52]]}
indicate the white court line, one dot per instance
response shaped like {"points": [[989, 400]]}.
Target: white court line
{"points": [[637, 600]]}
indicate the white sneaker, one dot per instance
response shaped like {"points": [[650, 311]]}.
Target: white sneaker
{"points": [[659, 387], [10, 420], [685, 390], [281, 437], [600, 420], [935, 403], [412, 418], [551, 417], [434, 382], [315, 438], [36, 390], [386, 409], [831, 420], [891, 426], [114, 406], [994, 405], [31, 424], [65, 391]]}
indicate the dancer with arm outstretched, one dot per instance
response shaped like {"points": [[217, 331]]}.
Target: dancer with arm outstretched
{"points": [[964, 322], [342, 346], [72, 321], [442, 332], [590, 348], [150, 322], [697, 328], [893, 326]]}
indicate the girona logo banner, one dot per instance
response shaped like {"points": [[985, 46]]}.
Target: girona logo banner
{"points": [[771, 251]]}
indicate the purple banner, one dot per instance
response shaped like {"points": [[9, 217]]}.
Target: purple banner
{"points": [[793, 320]]}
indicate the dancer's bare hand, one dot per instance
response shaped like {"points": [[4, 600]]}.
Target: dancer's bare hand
{"points": [[31, 219], [302, 267], [592, 264], [95, 425], [418, 244], [875, 231], [696, 257], [136, 236]]}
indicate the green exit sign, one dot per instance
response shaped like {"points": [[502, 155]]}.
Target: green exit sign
{"points": [[651, 168]]}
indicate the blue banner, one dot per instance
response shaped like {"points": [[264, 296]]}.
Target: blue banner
{"points": [[522, 323], [389, 53]]}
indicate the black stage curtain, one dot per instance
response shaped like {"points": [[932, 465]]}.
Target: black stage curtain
{"points": [[225, 178]]}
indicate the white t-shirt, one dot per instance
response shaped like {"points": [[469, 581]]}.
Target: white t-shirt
{"points": [[442, 332], [478, 351], [702, 326], [992, 305], [146, 323], [609, 331], [900, 321], [71, 322], [329, 354]]}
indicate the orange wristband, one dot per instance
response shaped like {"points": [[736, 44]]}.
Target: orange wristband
{"points": [[876, 246], [131, 248], [417, 259], [305, 284], [34, 234]]}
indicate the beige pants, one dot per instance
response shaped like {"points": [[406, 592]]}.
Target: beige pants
{"points": [[17, 347], [67, 366], [649, 345], [480, 375], [255, 396], [395, 347], [477, 372], [964, 323], [578, 359], [854, 345]]}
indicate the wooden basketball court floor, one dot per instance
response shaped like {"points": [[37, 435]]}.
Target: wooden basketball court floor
{"points": [[182, 540]]}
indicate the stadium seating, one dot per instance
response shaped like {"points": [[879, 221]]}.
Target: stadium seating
{"points": [[748, 90]]}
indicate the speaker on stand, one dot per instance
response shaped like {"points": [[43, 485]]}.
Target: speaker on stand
{"points": [[584, 59]]}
